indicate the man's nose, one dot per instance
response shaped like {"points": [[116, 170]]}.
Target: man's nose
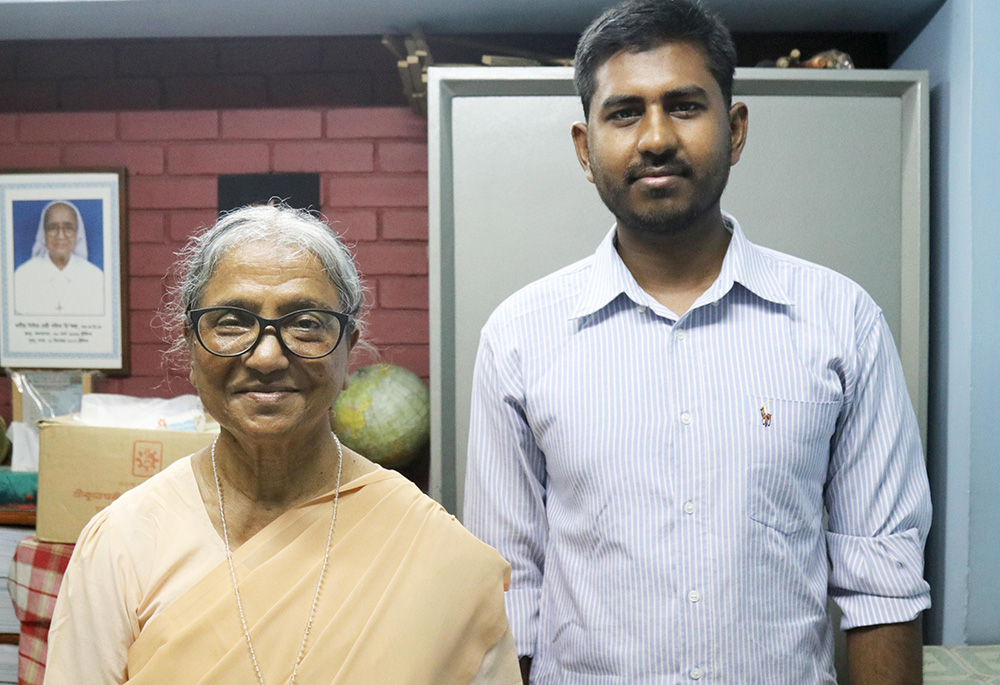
{"points": [[657, 134]]}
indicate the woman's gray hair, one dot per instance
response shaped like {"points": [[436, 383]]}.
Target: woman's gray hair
{"points": [[278, 225]]}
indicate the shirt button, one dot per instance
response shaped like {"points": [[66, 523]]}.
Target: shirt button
{"points": [[695, 673], [686, 418], [641, 309], [715, 303], [694, 596], [689, 507], [680, 334]]}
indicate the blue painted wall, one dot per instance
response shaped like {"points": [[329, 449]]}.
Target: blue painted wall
{"points": [[963, 553]]}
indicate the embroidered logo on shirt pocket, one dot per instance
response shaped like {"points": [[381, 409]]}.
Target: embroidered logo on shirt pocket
{"points": [[789, 443]]}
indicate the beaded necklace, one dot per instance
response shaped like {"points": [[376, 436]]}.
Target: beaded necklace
{"points": [[319, 583]]}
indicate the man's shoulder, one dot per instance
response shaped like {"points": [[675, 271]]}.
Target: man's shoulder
{"points": [[805, 281], [547, 300]]}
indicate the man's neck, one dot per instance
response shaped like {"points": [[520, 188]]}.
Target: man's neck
{"points": [[59, 262], [676, 267]]}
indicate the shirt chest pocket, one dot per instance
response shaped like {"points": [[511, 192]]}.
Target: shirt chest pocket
{"points": [[789, 452]]}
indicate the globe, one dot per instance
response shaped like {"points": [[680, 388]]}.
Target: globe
{"points": [[384, 413]]}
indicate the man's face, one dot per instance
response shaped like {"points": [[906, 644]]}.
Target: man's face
{"points": [[659, 140], [60, 233]]}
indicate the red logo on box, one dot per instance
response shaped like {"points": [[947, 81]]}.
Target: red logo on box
{"points": [[147, 458]]}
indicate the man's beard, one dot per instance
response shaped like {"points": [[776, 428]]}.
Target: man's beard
{"points": [[662, 220]]}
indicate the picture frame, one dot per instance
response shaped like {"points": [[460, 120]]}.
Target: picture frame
{"points": [[63, 265]]}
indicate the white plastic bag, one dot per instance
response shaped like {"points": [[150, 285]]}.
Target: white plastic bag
{"points": [[122, 411]]}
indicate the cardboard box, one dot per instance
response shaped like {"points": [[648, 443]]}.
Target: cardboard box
{"points": [[82, 469]]}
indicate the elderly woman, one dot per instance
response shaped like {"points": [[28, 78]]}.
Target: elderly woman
{"points": [[277, 555], [58, 279]]}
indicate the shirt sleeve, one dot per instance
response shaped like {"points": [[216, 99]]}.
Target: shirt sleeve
{"points": [[505, 487], [92, 625], [877, 494]]}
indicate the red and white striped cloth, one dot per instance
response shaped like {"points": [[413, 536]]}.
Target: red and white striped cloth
{"points": [[35, 576]]}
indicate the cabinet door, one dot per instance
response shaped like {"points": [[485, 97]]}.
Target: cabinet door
{"points": [[834, 172]]}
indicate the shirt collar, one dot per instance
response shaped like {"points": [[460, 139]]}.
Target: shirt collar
{"points": [[744, 263]]}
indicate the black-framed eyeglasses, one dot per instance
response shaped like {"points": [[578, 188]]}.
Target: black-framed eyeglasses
{"points": [[232, 331]]}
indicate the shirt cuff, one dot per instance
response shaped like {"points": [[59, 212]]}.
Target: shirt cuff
{"points": [[522, 612], [878, 580]]}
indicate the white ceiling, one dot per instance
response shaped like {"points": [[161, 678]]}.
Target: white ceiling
{"points": [[47, 19]]}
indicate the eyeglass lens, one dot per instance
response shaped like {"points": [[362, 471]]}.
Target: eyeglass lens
{"points": [[307, 333]]}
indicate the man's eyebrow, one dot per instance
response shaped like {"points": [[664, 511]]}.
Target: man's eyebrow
{"points": [[613, 101]]}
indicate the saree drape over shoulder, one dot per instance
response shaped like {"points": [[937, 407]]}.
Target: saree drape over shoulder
{"points": [[409, 596]]}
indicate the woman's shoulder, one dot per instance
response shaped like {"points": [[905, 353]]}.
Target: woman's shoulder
{"points": [[439, 529], [145, 508]]}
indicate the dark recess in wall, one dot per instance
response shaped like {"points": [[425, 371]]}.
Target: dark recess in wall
{"points": [[214, 73]]}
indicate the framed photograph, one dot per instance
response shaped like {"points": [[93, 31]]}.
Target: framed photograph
{"points": [[62, 269]]}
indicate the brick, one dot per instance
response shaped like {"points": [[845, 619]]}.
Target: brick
{"points": [[110, 94], [186, 222], [150, 260], [167, 57], [29, 96], [270, 55], [169, 125], [146, 227], [402, 292], [66, 59], [218, 158], [138, 159], [112, 385], [215, 92], [353, 225], [141, 328], [155, 382], [323, 89], [144, 294], [323, 156], [377, 191], [399, 155], [405, 259], [375, 122], [68, 127], [148, 192], [394, 327], [8, 128], [404, 224], [29, 156], [416, 358], [147, 359], [275, 124]]}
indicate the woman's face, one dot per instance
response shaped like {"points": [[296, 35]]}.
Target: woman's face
{"points": [[268, 393]]}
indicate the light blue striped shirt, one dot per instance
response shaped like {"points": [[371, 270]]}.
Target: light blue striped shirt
{"points": [[658, 483]]}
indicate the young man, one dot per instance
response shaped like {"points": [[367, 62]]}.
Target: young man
{"points": [[657, 428]]}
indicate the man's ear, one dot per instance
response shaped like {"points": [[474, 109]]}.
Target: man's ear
{"points": [[738, 121], [582, 146]]}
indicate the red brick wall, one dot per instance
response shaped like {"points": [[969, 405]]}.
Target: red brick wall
{"points": [[373, 174]]}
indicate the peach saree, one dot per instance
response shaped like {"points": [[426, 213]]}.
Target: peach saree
{"points": [[409, 597]]}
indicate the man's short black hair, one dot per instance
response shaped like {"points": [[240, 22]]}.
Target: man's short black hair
{"points": [[640, 25]]}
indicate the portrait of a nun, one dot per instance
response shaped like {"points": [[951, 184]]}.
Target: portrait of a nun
{"points": [[58, 279]]}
